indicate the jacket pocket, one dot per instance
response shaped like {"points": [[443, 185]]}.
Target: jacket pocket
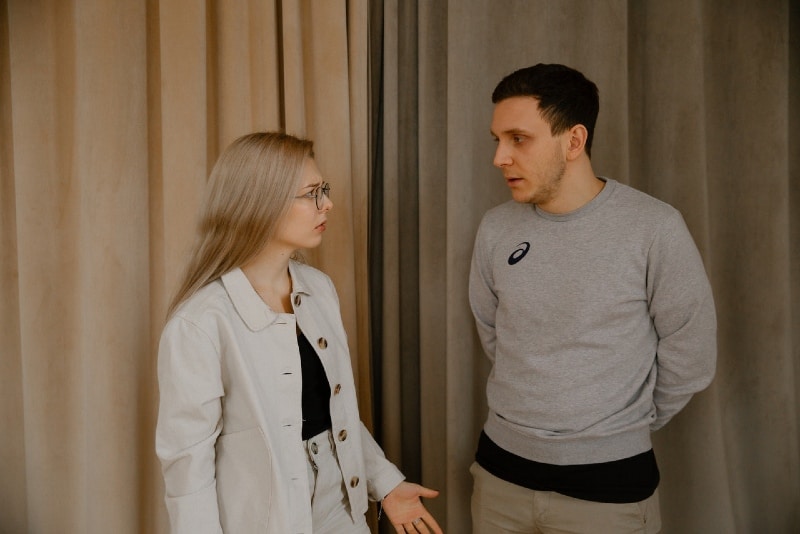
{"points": [[243, 472]]}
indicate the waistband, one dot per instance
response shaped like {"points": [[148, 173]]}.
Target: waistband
{"points": [[321, 443]]}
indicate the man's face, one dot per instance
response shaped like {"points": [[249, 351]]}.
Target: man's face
{"points": [[533, 161]]}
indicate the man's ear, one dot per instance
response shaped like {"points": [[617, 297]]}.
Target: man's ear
{"points": [[577, 136]]}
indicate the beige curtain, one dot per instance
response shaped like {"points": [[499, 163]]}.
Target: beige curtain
{"points": [[111, 114], [700, 106]]}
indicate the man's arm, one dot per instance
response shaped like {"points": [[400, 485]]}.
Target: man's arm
{"points": [[682, 309], [482, 296]]}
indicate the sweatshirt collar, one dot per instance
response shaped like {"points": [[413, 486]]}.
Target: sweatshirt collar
{"points": [[589, 207]]}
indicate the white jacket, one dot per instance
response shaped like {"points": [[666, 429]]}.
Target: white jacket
{"points": [[230, 416]]}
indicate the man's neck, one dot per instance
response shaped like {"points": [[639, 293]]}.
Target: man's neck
{"points": [[578, 187]]}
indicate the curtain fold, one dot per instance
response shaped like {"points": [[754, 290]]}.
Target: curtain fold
{"points": [[112, 115], [699, 107], [12, 453]]}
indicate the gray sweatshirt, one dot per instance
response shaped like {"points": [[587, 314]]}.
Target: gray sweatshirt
{"points": [[599, 324]]}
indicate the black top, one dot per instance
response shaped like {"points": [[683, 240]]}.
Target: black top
{"points": [[316, 390], [628, 480]]}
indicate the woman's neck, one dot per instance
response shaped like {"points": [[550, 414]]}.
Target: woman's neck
{"points": [[268, 273]]}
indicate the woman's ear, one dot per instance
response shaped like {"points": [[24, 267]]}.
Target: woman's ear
{"points": [[577, 136]]}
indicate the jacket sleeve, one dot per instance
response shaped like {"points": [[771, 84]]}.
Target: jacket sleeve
{"points": [[682, 309], [382, 475], [482, 297], [189, 421]]}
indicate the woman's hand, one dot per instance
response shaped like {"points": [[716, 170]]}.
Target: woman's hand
{"points": [[407, 513]]}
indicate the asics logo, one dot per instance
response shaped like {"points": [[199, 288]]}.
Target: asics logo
{"points": [[519, 253]]}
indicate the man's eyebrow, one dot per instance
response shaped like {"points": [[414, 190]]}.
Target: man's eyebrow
{"points": [[512, 131]]}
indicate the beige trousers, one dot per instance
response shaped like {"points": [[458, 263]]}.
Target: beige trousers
{"points": [[330, 508], [500, 507]]}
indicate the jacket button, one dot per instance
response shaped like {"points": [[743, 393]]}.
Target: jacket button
{"points": [[343, 435], [323, 343], [354, 482], [297, 300], [337, 389]]}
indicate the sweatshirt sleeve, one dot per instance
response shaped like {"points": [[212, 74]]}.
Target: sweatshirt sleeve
{"points": [[482, 296], [189, 421], [682, 309]]}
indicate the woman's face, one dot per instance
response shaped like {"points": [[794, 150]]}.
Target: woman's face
{"points": [[304, 224]]}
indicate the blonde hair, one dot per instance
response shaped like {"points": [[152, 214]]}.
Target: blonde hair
{"points": [[248, 193]]}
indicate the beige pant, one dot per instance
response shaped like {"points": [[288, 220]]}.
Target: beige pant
{"points": [[500, 507], [330, 508]]}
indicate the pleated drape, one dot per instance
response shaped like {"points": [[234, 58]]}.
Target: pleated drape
{"points": [[699, 107], [112, 114]]}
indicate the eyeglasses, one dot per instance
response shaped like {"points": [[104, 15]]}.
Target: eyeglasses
{"points": [[320, 192]]}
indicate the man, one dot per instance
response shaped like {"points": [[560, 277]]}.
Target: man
{"points": [[592, 303]]}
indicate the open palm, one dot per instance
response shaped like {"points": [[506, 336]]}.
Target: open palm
{"points": [[405, 510]]}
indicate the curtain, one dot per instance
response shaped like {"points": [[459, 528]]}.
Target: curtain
{"points": [[700, 108], [112, 114]]}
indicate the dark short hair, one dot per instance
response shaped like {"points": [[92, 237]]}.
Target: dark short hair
{"points": [[566, 97]]}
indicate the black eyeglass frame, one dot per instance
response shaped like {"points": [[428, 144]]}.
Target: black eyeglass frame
{"points": [[318, 193]]}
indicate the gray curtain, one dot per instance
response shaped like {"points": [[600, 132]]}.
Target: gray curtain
{"points": [[699, 107]]}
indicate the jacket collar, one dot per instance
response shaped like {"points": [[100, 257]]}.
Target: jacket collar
{"points": [[254, 311]]}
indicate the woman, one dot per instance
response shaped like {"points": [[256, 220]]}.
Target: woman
{"points": [[258, 426]]}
